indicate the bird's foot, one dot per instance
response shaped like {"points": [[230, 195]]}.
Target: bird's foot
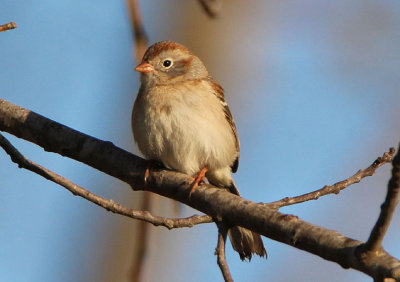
{"points": [[198, 179], [151, 164]]}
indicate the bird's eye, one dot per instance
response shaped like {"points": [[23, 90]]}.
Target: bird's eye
{"points": [[167, 63]]}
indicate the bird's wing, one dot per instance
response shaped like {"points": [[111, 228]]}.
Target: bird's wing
{"points": [[219, 93]]}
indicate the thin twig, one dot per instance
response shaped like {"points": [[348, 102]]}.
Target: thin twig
{"points": [[139, 34], [337, 187], [211, 7], [7, 26], [109, 205], [387, 209], [220, 252]]}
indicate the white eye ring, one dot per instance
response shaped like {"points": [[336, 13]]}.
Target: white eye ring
{"points": [[167, 63]]}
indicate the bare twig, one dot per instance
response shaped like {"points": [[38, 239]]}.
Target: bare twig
{"points": [[211, 7], [220, 251], [109, 205], [387, 209], [7, 26], [337, 187], [139, 33]]}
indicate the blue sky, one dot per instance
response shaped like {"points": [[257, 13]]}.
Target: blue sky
{"points": [[314, 89]]}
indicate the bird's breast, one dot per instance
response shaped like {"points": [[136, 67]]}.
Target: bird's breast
{"points": [[185, 130]]}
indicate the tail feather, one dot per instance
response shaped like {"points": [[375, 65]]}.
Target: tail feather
{"points": [[244, 241]]}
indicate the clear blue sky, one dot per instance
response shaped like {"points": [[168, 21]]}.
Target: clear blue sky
{"points": [[315, 91]]}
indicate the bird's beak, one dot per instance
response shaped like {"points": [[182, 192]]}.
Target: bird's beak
{"points": [[144, 68]]}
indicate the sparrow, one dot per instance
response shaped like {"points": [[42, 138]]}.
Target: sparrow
{"points": [[180, 118]]}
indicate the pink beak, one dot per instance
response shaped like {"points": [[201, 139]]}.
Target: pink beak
{"points": [[144, 68]]}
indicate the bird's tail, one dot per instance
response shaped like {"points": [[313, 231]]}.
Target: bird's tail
{"points": [[244, 241]]}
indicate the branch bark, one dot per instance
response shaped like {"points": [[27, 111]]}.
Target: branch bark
{"points": [[213, 201], [220, 252], [338, 186], [139, 34], [387, 209], [211, 7], [8, 26], [107, 204]]}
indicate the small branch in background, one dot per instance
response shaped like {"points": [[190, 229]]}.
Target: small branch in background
{"points": [[140, 39], [220, 251], [337, 187], [387, 209], [211, 7], [139, 34], [141, 243], [8, 26], [109, 205]]}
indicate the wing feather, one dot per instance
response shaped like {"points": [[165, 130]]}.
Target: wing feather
{"points": [[219, 93]]}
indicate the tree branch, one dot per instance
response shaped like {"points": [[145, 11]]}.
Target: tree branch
{"points": [[139, 34], [220, 251], [211, 7], [109, 205], [337, 187], [387, 209], [8, 26], [140, 44], [215, 202]]}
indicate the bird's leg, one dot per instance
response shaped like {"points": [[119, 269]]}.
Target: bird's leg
{"points": [[198, 179]]}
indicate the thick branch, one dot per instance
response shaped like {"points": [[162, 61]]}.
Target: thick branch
{"points": [[213, 201], [387, 209], [337, 187]]}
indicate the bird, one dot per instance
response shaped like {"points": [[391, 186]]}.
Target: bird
{"points": [[181, 119]]}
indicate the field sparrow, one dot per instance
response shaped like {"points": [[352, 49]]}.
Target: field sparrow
{"points": [[180, 118]]}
